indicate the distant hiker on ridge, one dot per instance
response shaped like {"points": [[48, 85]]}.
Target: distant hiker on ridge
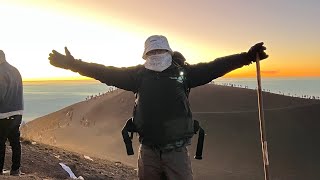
{"points": [[162, 115], [11, 109]]}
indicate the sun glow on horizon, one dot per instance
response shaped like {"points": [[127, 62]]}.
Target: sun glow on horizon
{"points": [[91, 33], [33, 33]]}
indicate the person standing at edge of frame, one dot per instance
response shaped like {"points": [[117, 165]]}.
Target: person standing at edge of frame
{"points": [[11, 110]]}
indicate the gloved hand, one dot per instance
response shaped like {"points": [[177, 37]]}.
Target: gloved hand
{"points": [[257, 49], [60, 60]]}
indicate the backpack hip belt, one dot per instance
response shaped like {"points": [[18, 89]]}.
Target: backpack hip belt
{"points": [[171, 146], [130, 128]]}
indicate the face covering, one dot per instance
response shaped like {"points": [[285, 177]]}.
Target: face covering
{"points": [[158, 62]]}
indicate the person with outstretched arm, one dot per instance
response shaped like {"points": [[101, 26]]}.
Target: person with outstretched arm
{"points": [[162, 114]]}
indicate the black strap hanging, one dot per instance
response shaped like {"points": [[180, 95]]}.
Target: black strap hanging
{"points": [[129, 127], [200, 144]]}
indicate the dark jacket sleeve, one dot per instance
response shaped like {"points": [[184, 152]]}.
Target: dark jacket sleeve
{"points": [[123, 78], [203, 73]]}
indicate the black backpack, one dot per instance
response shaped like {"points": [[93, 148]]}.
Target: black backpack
{"points": [[130, 128]]}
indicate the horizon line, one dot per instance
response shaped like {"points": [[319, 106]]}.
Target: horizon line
{"points": [[90, 79]]}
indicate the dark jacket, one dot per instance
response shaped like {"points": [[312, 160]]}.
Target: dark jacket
{"points": [[162, 104], [11, 91]]}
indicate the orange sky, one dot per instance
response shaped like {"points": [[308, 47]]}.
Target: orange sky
{"points": [[112, 32]]}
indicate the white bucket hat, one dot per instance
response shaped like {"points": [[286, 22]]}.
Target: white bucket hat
{"points": [[156, 42], [2, 57]]}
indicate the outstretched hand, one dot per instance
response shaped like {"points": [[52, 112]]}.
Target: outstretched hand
{"points": [[59, 60], [257, 49]]}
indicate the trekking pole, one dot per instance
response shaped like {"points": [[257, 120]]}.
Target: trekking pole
{"points": [[263, 134]]}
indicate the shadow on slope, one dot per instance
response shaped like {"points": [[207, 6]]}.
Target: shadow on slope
{"points": [[41, 161]]}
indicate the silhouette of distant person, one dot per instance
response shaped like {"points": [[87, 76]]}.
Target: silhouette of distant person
{"points": [[162, 114], [11, 109]]}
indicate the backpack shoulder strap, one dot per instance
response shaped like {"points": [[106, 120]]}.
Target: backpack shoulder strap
{"points": [[184, 76], [140, 74]]}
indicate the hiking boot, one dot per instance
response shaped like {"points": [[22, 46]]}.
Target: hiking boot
{"points": [[15, 172]]}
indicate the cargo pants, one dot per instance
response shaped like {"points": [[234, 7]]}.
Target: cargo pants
{"points": [[155, 164]]}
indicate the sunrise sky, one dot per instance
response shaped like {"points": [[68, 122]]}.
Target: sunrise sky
{"points": [[112, 32]]}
